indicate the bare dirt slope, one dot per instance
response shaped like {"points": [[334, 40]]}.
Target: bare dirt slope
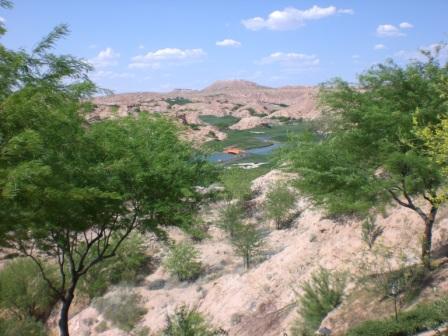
{"points": [[261, 301]]}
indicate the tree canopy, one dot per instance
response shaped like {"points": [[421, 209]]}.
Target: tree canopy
{"points": [[368, 154], [70, 191]]}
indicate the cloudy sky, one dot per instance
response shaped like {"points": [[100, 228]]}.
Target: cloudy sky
{"points": [[159, 45]]}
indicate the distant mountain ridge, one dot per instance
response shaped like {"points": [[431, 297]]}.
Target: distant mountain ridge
{"points": [[252, 103]]}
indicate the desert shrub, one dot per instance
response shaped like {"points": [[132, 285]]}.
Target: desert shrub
{"points": [[237, 185], [321, 294], [279, 201], [384, 268], [102, 327], [130, 259], [178, 101], [188, 322], [183, 261], [194, 127], [421, 318], [21, 327], [141, 331], [23, 291], [114, 108], [248, 243], [197, 229], [370, 232], [123, 308], [230, 217]]}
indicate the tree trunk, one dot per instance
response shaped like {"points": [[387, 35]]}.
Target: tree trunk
{"points": [[63, 317], [246, 262], [427, 241]]}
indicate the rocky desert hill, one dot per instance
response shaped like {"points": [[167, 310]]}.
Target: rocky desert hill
{"points": [[253, 104], [263, 299]]}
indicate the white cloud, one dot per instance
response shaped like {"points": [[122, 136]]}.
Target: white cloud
{"points": [[153, 59], [291, 60], [2, 19], [346, 11], [102, 74], [105, 58], [228, 43], [389, 30], [292, 18], [379, 46], [406, 25], [141, 46]]}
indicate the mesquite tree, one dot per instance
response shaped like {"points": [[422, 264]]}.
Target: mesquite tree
{"points": [[70, 192], [368, 153]]}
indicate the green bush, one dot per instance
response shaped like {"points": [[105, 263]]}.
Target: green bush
{"points": [[178, 101], [23, 291], [321, 294], [21, 327], [370, 232], [248, 243], [230, 217], [130, 259], [123, 308], [279, 201], [183, 261], [197, 229], [423, 317], [188, 322], [237, 183]]}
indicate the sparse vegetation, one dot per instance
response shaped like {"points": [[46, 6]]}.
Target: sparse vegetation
{"points": [[254, 113], [24, 293], [188, 322], [124, 268], [183, 262], [323, 293], [221, 123], [114, 108], [279, 201], [370, 231], [21, 327], [177, 101], [248, 242], [123, 308], [231, 217], [102, 327], [421, 318], [386, 269]]}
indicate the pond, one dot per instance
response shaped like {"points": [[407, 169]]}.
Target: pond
{"points": [[223, 157]]}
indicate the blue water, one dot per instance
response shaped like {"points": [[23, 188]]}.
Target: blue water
{"points": [[223, 157]]}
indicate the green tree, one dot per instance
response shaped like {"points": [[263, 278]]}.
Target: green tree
{"points": [[369, 155], [183, 261], [279, 201], [248, 242], [66, 187], [230, 217]]}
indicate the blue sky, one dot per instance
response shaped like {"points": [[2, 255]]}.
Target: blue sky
{"points": [[159, 45]]}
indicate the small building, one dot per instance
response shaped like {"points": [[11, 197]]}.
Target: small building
{"points": [[233, 151]]}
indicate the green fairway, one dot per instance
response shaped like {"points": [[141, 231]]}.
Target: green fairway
{"points": [[220, 122]]}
